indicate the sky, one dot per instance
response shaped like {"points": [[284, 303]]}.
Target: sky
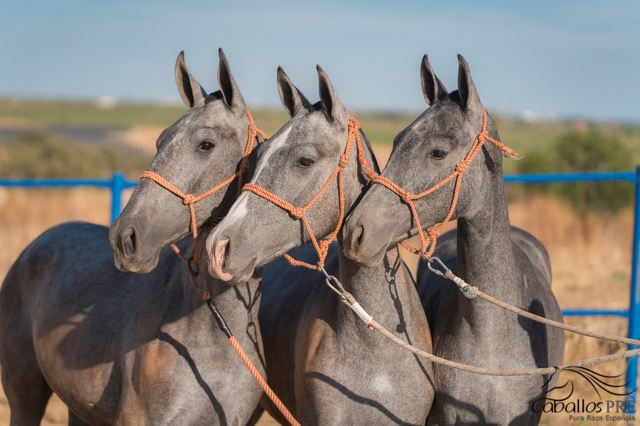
{"points": [[542, 59]]}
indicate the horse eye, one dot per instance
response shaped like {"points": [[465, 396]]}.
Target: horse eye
{"points": [[438, 154], [305, 162], [206, 146]]}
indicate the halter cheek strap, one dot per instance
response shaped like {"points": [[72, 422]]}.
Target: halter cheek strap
{"points": [[428, 241], [189, 199], [322, 245]]}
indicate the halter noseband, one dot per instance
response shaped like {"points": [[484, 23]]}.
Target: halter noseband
{"points": [[189, 199], [428, 242], [322, 245]]}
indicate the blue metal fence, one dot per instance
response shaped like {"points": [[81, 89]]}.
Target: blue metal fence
{"points": [[118, 184], [633, 313]]}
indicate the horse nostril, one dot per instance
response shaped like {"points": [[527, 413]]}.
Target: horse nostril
{"points": [[128, 242], [218, 251], [358, 236], [221, 251]]}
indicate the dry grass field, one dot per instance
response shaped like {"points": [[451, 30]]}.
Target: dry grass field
{"points": [[591, 260]]}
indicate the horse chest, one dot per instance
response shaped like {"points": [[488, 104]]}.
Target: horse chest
{"points": [[350, 372]]}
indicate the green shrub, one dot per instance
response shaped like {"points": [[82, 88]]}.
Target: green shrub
{"points": [[584, 152], [34, 154]]}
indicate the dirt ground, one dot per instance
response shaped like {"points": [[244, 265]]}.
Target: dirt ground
{"points": [[56, 414]]}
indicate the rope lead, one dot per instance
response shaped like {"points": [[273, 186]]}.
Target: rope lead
{"points": [[247, 362], [346, 297], [219, 319], [470, 291]]}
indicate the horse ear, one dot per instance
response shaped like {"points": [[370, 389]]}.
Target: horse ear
{"points": [[432, 88], [292, 98], [467, 90], [336, 112], [230, 91], [191, 92]]}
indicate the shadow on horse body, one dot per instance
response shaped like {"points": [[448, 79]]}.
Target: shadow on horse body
{"points": [[485, 251], [327, 367], [123, 348]]}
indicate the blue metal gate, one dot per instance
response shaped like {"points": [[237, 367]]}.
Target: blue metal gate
{"points": [[118, 184]]}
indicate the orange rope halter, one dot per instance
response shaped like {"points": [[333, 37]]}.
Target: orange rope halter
{"points": [[321, 246], [428, 242], [189, 199]]}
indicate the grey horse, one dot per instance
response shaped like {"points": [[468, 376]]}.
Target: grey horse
{"points": [[122, 348], [325, 364], [485, 251]]}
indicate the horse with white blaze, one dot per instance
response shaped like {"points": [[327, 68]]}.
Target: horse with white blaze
{"points": [[323, 362]]}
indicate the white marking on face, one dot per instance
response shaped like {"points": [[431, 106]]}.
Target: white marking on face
{"points": [[274, 145], [238, 210]]}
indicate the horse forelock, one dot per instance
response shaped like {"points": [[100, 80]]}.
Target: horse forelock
{"points": [[213, 96]]}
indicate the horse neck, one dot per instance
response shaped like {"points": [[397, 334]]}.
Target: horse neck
{"points": [[386, 291], [382, 287], [485, 253], [237, 303]]}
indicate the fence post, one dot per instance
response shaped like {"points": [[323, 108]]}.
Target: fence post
{"points": [[634, 304], [117, 187]]}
